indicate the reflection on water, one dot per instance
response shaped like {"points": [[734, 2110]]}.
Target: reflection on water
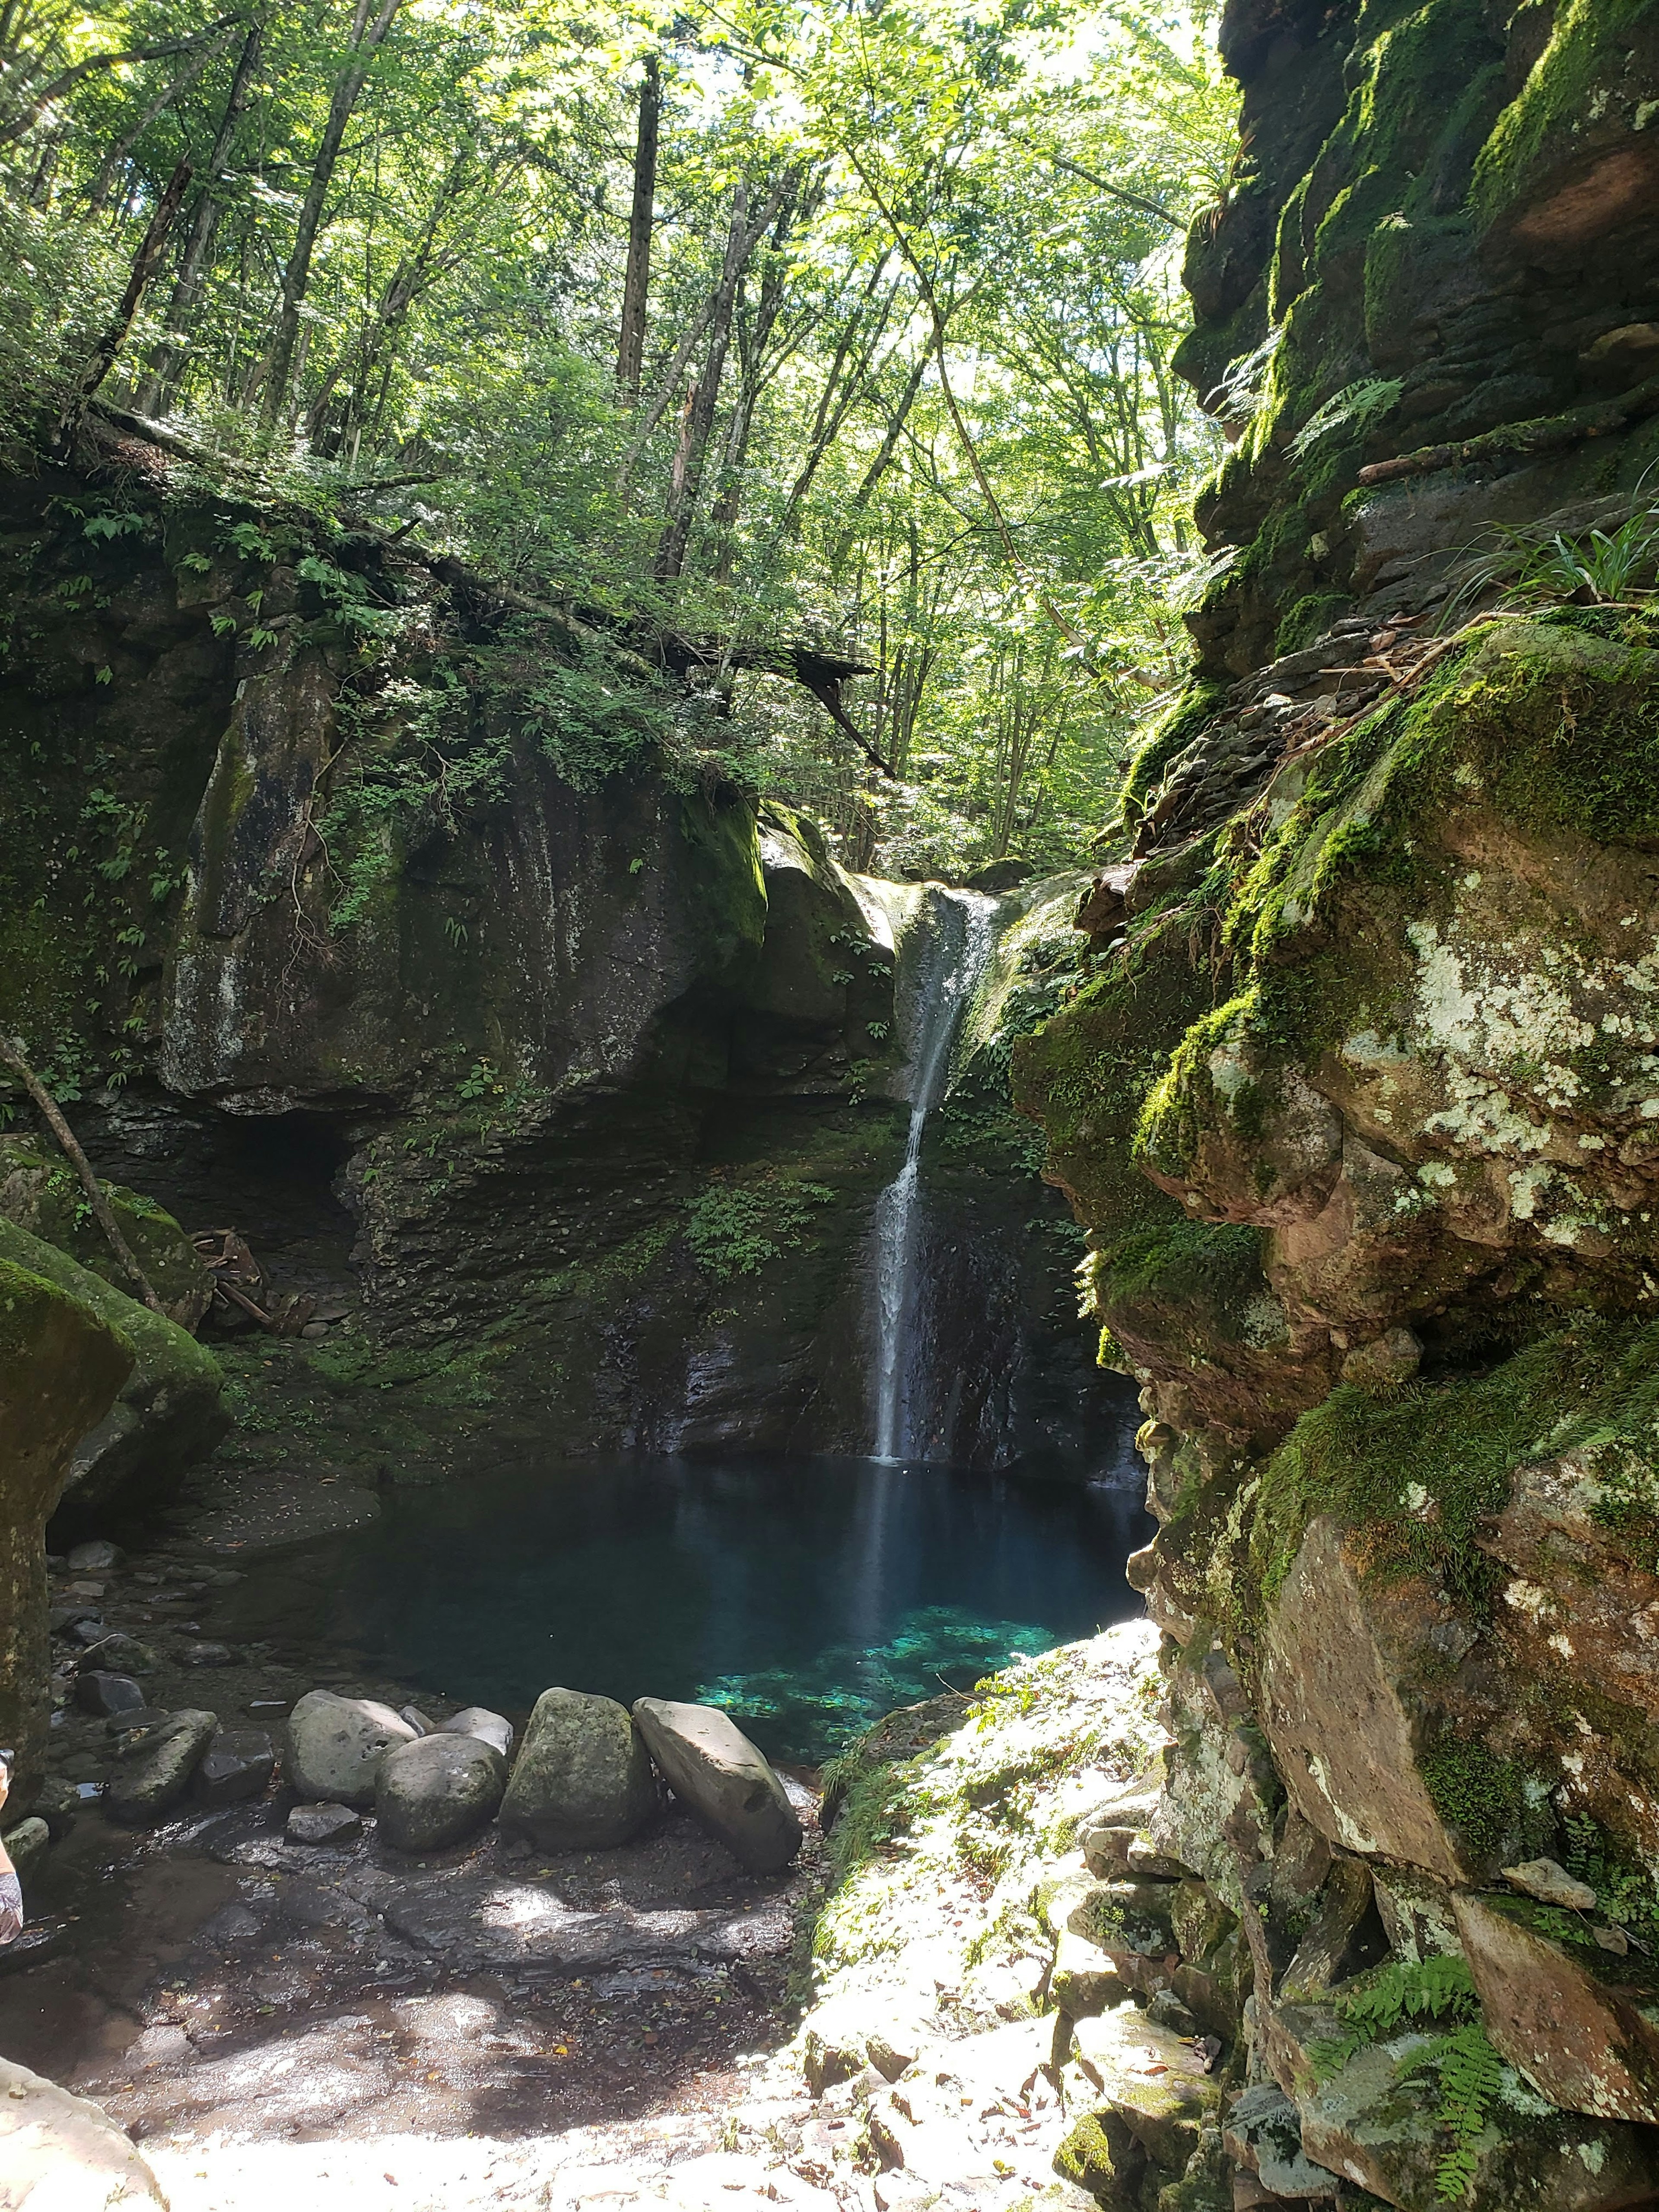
{"points": [[808, 1595]]}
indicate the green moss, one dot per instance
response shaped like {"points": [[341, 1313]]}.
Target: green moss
{"points": [[1415, 1474], [1183, 1261], [164, 1349], [1310, 617], [1173, 731], [1484, 1797]]}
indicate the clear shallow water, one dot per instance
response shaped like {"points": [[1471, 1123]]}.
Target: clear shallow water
{"points": [[808, 1597]]}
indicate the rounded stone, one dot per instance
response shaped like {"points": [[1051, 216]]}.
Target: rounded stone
{"points": [[723, 1780], [582, 1781], [492, 1729], [335, 1746], [437, 1792]]}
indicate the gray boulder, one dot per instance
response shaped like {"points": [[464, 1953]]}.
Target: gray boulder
{"points": [[720, 1778], [238, 1764], [335, 1746], [323, 1824], [492, 1729], [63, 2151], [97, 1692], [583, 1781], [153, 1773], [97, 1558], [438, 1791]]}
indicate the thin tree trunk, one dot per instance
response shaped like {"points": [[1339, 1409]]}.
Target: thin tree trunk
{"points": [[12, 1052], [704, 395], [164, 363], [102, 358], [728, 497], [408, 279], [631, 350], [367, 38], [110, 166], [883, 459]]}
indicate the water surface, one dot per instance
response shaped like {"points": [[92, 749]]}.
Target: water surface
{"points": [[808, 1597]]}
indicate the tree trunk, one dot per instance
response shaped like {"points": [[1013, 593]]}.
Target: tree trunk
{"points": [[367, 37], [723, 514], [110, 166], [102, 358], [630, 350], [704, 396], [413, 271], [164, 363]]}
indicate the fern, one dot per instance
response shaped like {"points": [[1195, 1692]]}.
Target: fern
{"points": [[1355, 408], [1468, 2069], [1431, 1989], [1470, 2074]]}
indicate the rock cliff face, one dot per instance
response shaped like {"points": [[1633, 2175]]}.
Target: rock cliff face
{"points": [[428, 942], [1357, 1101]]}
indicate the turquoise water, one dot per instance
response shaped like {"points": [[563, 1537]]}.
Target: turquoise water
{"points": [[808, 1596]]}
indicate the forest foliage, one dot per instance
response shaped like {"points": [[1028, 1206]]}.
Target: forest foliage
{"points": [[847, 325]]}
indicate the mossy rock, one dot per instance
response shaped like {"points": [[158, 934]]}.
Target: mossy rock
{"points": [[43, 1194], [168, 1414], [61, 1365]]}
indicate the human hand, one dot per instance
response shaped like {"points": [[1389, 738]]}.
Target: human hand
{"points": [[5, 1777]]}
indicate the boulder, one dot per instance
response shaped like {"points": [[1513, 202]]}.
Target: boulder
{"points": [[335, 1746], [206, 1655], [1083, 1980], [1100, 2156], [323, 1824], [169, 1413], [238, 1763], [1156, 2082], [492, 1729], [722, 1780], [1351, 1703], [97, 1690], [582, 1780], [60, 1368], [63, 2153], [1263, 2134], [1580, 2022], [97, 1558], [437, 1792], [153, 1773], [26, 1844]]}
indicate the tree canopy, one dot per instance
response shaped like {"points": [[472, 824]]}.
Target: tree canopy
{"points": [[844, 324]]}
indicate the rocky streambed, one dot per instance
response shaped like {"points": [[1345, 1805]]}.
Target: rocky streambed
{"points": [[203, 1973]]}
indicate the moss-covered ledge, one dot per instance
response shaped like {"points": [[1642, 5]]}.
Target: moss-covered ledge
{"points": [[169, 1413], [61, 1365]]}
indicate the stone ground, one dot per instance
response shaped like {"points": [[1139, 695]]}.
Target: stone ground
{"points": [[352, 2028]]}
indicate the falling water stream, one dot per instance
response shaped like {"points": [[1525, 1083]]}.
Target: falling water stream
{"points": [[961, 934]]}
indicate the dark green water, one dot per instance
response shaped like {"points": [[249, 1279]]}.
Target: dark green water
{"points": [[808, 1597]]}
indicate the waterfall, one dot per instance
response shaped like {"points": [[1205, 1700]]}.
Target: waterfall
{"points": [[959, 937]]}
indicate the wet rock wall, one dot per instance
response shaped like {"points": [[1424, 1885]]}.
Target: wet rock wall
{"points": [[1356, 1102], [434, 946]]}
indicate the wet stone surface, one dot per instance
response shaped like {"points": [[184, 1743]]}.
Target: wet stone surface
{"points": [[213, 1976]]}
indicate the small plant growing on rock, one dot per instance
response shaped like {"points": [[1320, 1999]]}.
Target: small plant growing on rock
{"points": [[1467, 2070]]}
